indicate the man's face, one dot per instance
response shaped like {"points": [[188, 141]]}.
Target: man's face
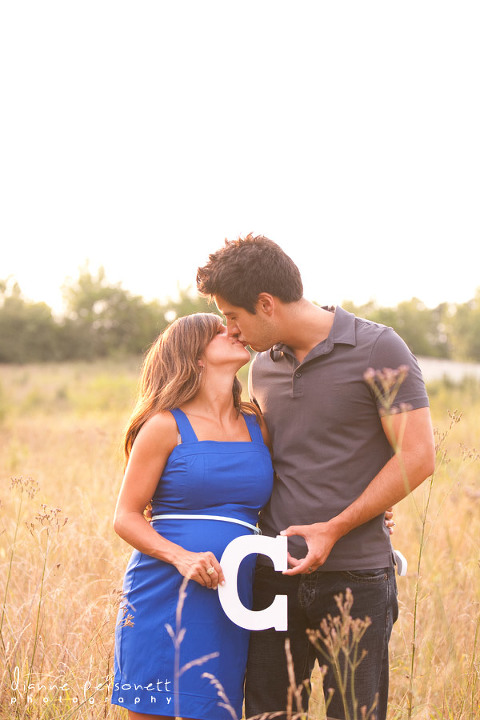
{"points": [[250, 329]]}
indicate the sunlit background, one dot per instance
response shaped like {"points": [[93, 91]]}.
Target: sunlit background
{"points": [[139, 135]]}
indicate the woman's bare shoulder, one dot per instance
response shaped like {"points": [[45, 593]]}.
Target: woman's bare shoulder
{"points": [[160, 428]]}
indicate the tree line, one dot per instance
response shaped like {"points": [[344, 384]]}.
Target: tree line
{"points": [[103, 319]]}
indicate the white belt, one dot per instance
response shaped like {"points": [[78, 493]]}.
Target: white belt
{"points": [[255, 529]]}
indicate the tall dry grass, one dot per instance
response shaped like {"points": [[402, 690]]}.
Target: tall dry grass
{"points": [[61, 565]]}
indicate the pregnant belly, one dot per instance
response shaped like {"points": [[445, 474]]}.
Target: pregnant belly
{"points": [[200, 535]]}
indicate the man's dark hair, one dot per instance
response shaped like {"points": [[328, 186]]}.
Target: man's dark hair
{"points": [[246, 267]]}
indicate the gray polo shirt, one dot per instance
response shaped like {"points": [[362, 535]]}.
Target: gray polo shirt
{"points": [[327, 437]]}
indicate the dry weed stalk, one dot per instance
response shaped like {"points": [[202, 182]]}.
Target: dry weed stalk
{"points": [[44, 529], [448, 689], [338, 640], [385, 385], [45, 525], [177, 636], [27, 488], [294, 691], [225, 703]]}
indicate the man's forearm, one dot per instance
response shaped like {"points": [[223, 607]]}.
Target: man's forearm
{"points": [[411, 434], [402, 474]]}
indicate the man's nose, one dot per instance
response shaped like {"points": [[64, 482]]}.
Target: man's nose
{"points": [[232, 329]]}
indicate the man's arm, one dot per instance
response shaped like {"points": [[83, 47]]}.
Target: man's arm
{"points": [[410, 434]]}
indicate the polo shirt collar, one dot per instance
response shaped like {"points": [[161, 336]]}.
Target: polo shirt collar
{"points": [[343, 328], [342, 332]]}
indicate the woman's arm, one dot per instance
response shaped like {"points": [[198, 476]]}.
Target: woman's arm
{"points": [[151, 449]]}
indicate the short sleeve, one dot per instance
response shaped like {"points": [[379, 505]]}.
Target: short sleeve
{"points": [[391, 352]]}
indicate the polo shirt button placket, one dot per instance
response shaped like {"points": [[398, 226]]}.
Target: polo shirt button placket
{"points": [[297, 384]]}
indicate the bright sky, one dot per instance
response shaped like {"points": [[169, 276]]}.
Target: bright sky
{"points": [[138, 135]]}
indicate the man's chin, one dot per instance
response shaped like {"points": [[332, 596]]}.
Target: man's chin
{"points": [[258, 348]]}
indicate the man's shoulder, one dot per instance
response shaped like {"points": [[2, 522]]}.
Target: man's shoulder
{"points": [[350, 328], [370, 327], [385, 347], [371, 332], [380, 343]]}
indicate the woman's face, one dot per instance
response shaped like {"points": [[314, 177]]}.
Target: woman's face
{"points": [[225, 350]]}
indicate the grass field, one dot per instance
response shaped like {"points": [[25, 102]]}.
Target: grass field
{"points": [[61, 564]]}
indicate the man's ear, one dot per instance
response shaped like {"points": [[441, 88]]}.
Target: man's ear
{"points": [[265, 304]]}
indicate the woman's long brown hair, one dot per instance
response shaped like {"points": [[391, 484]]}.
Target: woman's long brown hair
{"points": [[171, 375]]}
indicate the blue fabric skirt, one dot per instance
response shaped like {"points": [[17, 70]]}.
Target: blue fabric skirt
{"points": [[199, 670]]}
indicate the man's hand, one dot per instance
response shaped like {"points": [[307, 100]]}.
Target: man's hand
{"points": [[320, 539]]}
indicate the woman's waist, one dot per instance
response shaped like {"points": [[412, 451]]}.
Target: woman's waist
{"points": [[218, 519]]}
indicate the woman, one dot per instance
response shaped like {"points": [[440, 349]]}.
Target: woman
{"points": [[194, 450]]}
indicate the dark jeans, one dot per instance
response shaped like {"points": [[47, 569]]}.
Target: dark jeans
{"points": [[310, 600]]}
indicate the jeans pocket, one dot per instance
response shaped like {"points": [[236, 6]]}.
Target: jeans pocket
{"points": [[368, 576], [307, 590]]}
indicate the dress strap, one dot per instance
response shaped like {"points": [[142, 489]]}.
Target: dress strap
{"points": [[254, 428], [185, 428]]}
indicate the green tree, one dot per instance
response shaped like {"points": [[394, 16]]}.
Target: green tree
{"points": [[105, 319], [28, 331], [464, 330], [187, 302], [423, 329]]}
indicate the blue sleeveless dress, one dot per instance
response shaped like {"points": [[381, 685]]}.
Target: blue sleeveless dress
{"points": [[225, 479]]}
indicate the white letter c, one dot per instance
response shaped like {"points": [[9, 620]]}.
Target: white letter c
{"points": [[274, 616]]}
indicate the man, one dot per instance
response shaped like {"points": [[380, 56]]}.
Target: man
{"points": [[332, 437]]}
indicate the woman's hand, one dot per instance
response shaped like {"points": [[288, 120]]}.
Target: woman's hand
{"points": [[203, 567], [389, 523]]}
